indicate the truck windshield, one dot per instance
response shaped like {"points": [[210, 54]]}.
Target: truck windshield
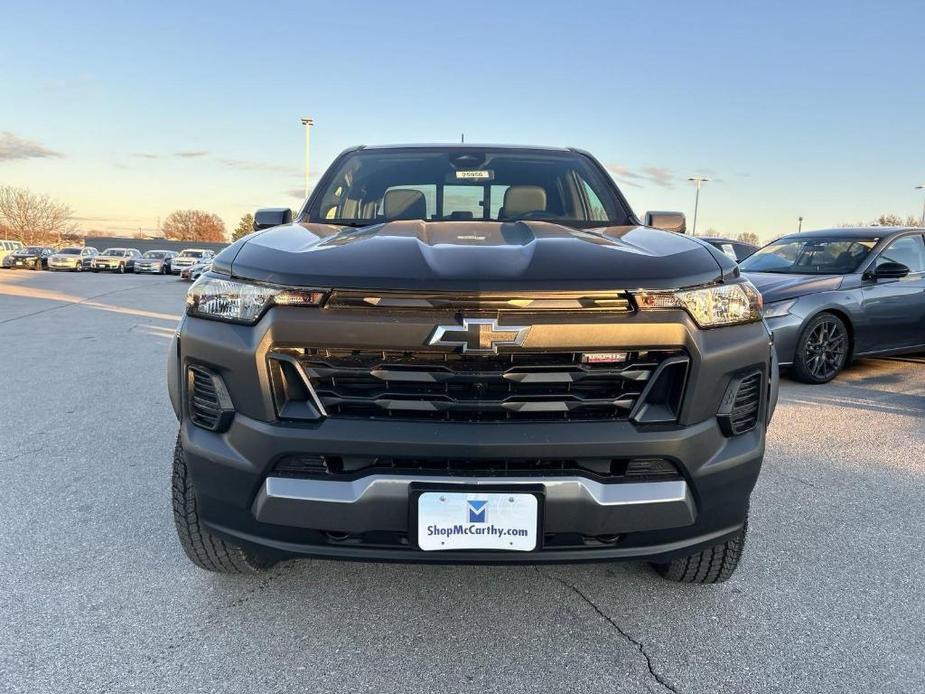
{"points": [[810, 256], [467, 184]]}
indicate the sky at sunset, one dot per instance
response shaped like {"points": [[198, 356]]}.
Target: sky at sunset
{"points": [[127, 111]]}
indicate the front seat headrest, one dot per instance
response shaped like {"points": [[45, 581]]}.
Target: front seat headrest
{"points": [[519, 200], [404, 203]]}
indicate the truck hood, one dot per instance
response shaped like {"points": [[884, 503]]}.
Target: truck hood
{"points": [[477, 255], [776, 286]]}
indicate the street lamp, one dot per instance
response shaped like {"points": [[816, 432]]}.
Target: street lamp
{"points": [[308, 123], [699, 180], [923, 205], [800, 227]]}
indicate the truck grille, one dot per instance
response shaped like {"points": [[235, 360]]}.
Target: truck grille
{"points": [[444, 386]]}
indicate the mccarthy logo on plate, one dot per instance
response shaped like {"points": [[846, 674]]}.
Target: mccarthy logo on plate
{"points": [[476, 508]]}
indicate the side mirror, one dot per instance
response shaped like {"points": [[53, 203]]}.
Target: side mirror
{"points": [[667, 221], [890, 271], [272, 217]]}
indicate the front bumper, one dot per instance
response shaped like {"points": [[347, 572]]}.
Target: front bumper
{"points": [[63, 265], [25, 263], [368, 517], [786, 331], [240, 498]]}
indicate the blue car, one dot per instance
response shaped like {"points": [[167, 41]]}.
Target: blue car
{"points": [[836, 294]]}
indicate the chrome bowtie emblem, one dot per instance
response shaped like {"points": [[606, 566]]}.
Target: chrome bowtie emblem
{"points": [[479, 335]]}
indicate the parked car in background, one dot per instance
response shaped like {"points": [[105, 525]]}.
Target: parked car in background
{"points": [[72, 259], [156, 262], [116, 260], [7, 246], [31, 257], [194, 272], [190, 256], [835, 294], [737, 250]]}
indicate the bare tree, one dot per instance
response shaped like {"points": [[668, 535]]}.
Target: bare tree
{"points": [[35, 219], [749, 237], [889, 220], [194, 225]]}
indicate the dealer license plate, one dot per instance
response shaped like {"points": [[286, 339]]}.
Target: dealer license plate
{"points": [[473, 520]]}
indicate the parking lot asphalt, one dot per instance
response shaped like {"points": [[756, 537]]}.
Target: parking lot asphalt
{"points": [[96, 595]]}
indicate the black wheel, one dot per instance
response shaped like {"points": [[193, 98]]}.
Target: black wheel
{"points": [[80, 267], [822, 350], [203, 548], [712, 565], [121, 268]]}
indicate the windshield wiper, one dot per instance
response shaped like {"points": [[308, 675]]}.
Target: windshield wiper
{"points": [[347, 223]]}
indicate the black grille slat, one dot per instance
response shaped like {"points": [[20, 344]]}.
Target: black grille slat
{"points": [[447, 386], [745, 407], [206, 407]]}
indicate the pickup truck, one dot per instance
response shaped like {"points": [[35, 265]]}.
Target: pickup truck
{"points": [[461, 353]]}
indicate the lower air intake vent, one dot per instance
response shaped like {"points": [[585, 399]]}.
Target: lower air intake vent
{"points": [[209, 404], [741, 405], [301, 466], [352, 467]]}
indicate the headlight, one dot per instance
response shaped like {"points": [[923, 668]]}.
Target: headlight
{"points": [[778, 309], [710, 307], [243, 302]]}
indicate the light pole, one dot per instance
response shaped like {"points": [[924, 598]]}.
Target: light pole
{"points": [[699, 180], [800, 227], [308, 123], [923, 205]]}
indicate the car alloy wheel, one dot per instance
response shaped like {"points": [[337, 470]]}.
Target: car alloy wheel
{"points": [[826, 349], [121, 268]]}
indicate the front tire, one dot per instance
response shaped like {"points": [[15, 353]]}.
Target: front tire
{"points": [[822, 350], [714, 564], [204, 549]]}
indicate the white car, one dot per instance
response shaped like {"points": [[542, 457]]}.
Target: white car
{"points": [[7, 246], [72, 259], [190, 256]]}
